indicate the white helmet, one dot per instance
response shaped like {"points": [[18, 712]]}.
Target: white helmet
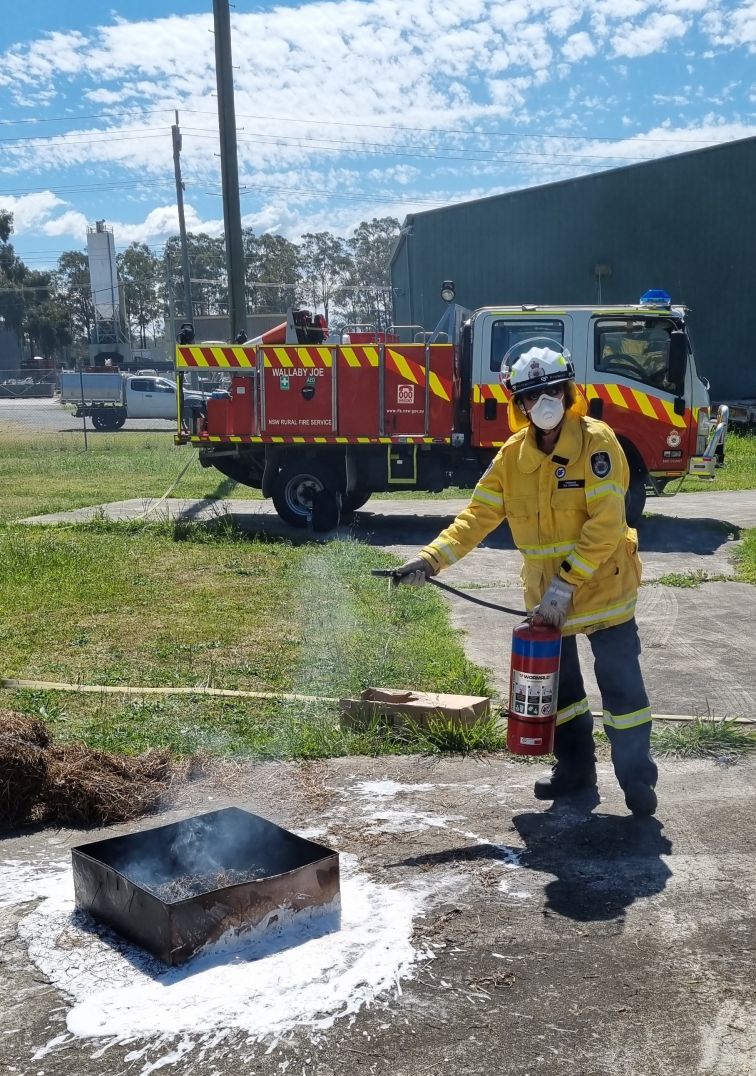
{"points": [[535, 363]]}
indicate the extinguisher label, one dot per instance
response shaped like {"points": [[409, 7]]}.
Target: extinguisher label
{"points": [[533, 694], [531, 741]]}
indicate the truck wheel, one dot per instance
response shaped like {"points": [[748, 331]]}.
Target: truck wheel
{"points": [[108, 420], [101, 420], [350, 502], [295, 486], [635, 498]]}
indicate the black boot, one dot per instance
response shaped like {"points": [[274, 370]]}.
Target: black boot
{"points": [[641, 799], [575, 760], [564, 782]]}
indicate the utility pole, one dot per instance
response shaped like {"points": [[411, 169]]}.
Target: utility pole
{"points": [[237, 306], [176, 133]]}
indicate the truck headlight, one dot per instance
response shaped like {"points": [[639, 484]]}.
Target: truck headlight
{"points": [[702, 433]]}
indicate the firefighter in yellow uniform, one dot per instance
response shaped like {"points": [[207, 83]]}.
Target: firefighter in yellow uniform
{"points": [[560, 482]]}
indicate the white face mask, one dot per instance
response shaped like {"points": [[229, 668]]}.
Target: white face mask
{"points": [[547, 412]]}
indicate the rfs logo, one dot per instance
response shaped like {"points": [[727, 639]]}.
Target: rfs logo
{"points": [[405, 394]]}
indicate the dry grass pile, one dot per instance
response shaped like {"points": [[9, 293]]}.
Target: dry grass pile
{"points": [[72, 784]]}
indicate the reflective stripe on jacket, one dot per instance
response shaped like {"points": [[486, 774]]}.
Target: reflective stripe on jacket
{"points": [[566, 511]]}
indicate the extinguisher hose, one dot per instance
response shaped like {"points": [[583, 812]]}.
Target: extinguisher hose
{"points": [[392, 573]]}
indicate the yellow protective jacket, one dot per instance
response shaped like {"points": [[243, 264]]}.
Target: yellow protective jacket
{"points": [[566, 511]]}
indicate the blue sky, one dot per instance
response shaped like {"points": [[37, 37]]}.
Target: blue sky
{"points": [[349, 109]]}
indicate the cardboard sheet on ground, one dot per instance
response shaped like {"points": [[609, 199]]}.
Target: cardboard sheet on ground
{"points": [[397, 705]]}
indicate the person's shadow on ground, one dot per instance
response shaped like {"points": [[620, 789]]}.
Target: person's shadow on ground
{"points": [[602, 863]]}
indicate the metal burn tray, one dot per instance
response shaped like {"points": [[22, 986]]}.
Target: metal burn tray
{"points": [[175, 888]]}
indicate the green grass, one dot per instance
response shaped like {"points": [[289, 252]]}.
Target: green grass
{"points": [[739, 471], [688, 579], [194, 605], [444, 735], [44, 473], [703, 738], [53, 473], [745, 558]]}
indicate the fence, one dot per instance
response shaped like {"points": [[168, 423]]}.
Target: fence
{"points": [[31, 409]]}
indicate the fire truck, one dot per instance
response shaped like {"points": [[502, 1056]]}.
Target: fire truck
{"points": [[300, 416]]}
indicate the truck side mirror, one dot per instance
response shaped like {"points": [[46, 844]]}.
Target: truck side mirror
{"points": [[678, 361]]}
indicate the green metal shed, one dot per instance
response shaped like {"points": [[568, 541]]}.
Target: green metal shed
{"points": [[684, 223]]}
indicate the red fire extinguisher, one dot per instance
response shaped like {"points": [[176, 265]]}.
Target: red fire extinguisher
{"points": [[533, 687]]}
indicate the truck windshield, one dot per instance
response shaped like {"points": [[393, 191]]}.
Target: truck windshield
{"points": [[635, 348], [505, 334]]}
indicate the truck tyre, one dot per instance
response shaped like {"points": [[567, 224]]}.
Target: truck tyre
{"points": [[294, 487], [350, 502], [108, 420], [635, 498]]}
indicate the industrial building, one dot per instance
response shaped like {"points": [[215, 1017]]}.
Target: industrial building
{"points": [[683, 223]]}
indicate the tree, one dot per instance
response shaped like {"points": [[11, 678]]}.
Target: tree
{"points": [[273, 272], [325, 264], [47, 325], [139, 270], [368, 298], [13, 274], [73, 286], [207, 265]]}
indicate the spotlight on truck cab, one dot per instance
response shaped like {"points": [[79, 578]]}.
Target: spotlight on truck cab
{"points": [[448, 291]]}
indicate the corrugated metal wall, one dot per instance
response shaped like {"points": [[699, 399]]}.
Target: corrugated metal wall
{"points": [[685, 223]]}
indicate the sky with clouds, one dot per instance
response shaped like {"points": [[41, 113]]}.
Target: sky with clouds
{"points": [[348, 109]]}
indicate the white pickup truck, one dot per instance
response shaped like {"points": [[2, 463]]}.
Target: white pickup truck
{"points": [[109, 397]]}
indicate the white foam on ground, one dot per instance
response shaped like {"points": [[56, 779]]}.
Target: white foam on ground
{"points": [[24, 880], [387, 789], [122, 995], [396, 821]]}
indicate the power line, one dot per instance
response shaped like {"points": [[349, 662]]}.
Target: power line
{"points": [[48, 140], [34, 120], [377, 150], [85, 188], [248, 188], [445, 130]]}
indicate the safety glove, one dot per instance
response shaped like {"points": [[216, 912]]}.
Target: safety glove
{"points": [[554, 605], [414, 573]]}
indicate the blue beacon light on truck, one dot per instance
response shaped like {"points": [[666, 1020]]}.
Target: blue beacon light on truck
{"points": [[656, 298]]}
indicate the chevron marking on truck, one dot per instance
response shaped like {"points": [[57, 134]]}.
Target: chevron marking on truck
{"points": [[194, 356], [411, 370], [642, 403], [400, 439]]}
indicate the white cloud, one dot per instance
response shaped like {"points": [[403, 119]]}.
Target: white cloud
{"points": [[578, 47], [733, 27], [440, 68], [71, 223], [30, 210], [649, 35]]}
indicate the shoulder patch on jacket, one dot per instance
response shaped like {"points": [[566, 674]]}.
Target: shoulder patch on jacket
{"points": [[601, 464]]}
